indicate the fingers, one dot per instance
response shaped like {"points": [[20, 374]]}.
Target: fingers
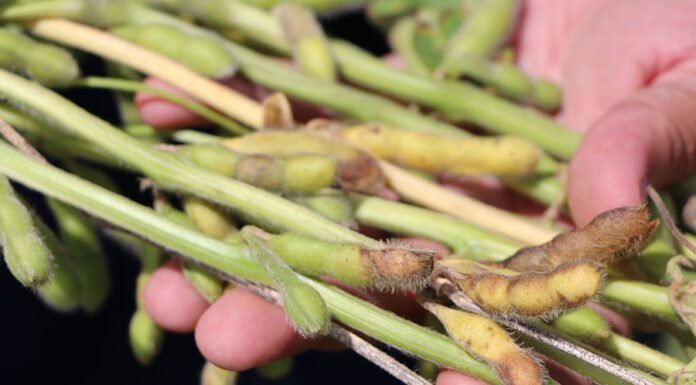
{"points": [[171, 301], [647, 138], [241, 331], [161, 113], [450, 377]]}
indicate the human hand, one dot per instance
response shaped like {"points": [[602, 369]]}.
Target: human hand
{"points": [[628, 73], [570, 54]]}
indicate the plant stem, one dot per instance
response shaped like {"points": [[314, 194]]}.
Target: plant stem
{"points": [[640, 354], [644, 297], [133, 86], [487, 217], [169, 170], [466, 101], [108, 46], [470, 103], [232, 259], [357, 104], [463, 238]]}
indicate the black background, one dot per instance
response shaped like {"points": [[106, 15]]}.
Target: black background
{"points": [[39, 346]]}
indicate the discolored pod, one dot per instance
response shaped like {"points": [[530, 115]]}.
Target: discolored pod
{"points": [[504, 156], [610, 237], [483, 338], [387, 267], [531, 294]]}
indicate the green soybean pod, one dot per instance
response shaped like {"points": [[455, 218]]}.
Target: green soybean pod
{"points": [[202, 54], [207, 56], [546, 95], [300, 173], [213, 375], [388, 267], [584, 324], [332, 205], [303, 32], [486, 27], [211, 156], [48, 64], [303, 305], [11, 44], [81, 240], [276, 369], [208, 218], [505, 78], [63, 291], [401, 39], [207, 285], [27, 256], [145, 337]]}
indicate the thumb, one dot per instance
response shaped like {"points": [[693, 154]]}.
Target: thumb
{"points": [[650, 137]]}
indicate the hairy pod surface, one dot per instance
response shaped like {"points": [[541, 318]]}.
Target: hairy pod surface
{"points": [[388, 267], [357, 171], [483, 338], [530, 294], [610, 237]]}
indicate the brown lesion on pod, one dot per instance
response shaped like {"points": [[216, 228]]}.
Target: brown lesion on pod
{"points": [[397, 268], [277, 113], [488, 341], [357, 170], [505, 292], [610, 237]]}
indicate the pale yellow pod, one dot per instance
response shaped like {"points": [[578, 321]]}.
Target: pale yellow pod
{"points": [[485, 339], [505, 156], [533, 294]]}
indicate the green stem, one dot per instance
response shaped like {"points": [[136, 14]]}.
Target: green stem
{"points": [[167, 169], [352, 102], [644, 297], [232, 259], [401, 41], [317, 5], [579, 365], [52, 142], [466, 101], [639, 354], [463, 238], [134, 86]]}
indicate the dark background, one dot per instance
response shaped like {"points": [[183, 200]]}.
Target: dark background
{"points": [[39, 346]]}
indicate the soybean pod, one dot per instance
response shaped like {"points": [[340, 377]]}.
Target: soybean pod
{"points": [[390, 266], [486, 27], [48, 64], [207, 285], [304, 307], [82, 242], [202, 54], [529, 294], [503, 156], [296, 173], [484, 338], [305, 36], [63, 291], [357, 170], [27, 256]]}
